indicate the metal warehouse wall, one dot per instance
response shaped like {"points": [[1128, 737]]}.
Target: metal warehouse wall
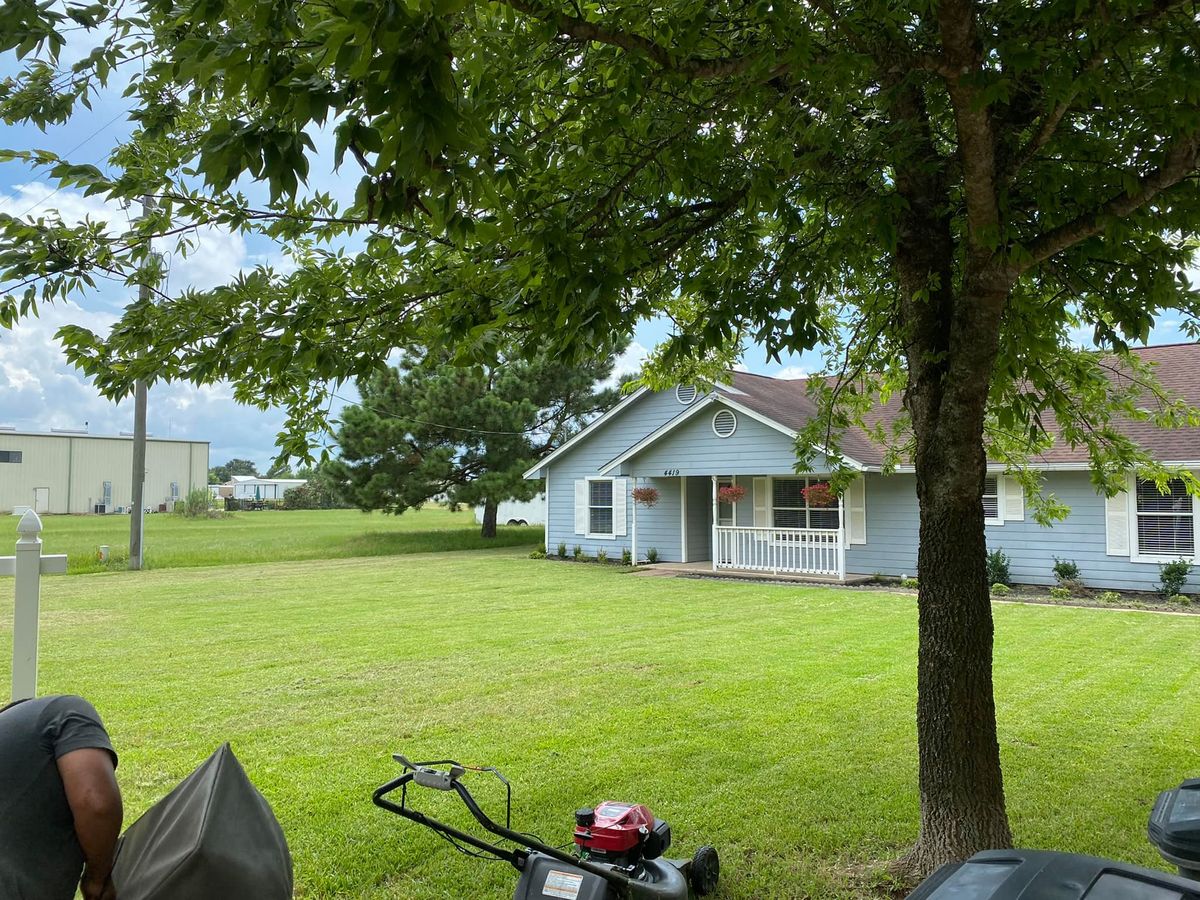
{"points": [[73, 469]]}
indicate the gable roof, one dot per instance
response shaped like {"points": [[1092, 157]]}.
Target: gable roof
{"points": [[533, 471], [1177, 367], [785, 405], [722, 396]]}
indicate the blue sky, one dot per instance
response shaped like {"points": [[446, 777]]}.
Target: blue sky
{"points": [[39, 390]]}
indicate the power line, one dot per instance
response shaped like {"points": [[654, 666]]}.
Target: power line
{"points": [[90, 137], [388, 415]]}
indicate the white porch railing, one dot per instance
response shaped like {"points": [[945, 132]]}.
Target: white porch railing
{"points": [[803, 551]]}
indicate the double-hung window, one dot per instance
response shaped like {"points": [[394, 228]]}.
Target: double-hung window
{"points": [[991, 499], [1166, 522], [790, 509], [600, 506]]}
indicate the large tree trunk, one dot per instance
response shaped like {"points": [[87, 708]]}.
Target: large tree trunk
{"points": [[489, 519], [961, 786]]}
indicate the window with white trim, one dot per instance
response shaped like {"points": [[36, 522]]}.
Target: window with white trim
{"points": [[600, 506], [991, 498], [790, 508], [1166, 522]]}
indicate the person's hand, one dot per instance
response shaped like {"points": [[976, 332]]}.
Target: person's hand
{"points": [[97, 889]]}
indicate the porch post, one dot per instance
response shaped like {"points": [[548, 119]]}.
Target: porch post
{"points": [[683, 554], [633, 531], [841, 547], [714, 524]]}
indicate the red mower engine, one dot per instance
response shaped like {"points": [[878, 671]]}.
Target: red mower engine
{"points": [[620, 834]]}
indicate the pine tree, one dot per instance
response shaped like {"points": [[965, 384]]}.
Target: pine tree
{"points": [[428, 428]]}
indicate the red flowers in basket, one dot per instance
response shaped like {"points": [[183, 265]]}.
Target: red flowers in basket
{"points": [[647, 496], [730, 493], [819, 494]]}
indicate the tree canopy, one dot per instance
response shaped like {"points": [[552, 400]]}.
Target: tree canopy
{"points": [[429, 428], [943, 194], [222, 474]]}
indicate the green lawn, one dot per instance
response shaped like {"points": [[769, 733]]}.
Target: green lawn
{"points": [[173, 541], [774, 722]]}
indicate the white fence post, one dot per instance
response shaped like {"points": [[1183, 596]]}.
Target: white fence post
{"points": [[28, 566]]}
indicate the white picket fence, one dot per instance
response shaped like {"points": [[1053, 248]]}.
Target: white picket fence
{"points": [[28, 567]]}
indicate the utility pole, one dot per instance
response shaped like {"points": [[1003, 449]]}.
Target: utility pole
{"points": [[137, 514]]}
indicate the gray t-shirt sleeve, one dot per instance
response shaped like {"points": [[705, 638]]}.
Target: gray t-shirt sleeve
{"points": [[71, 723]]}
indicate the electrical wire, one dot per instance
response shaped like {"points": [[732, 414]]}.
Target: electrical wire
{"points": [[387, 415], [90, 137]]}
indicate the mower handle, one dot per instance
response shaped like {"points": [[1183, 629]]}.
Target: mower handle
{"points": [[450, 779]]}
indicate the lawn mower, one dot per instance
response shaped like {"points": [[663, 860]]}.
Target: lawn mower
{"points": [[618, 846]]}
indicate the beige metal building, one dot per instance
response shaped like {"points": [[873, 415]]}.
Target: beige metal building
{"points": [[75, 472]]}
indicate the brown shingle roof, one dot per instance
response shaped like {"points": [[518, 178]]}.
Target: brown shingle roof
{"points": [[1176, 365]]}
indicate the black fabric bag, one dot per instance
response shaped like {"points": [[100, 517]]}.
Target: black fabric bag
{"points": [[212, 838]]}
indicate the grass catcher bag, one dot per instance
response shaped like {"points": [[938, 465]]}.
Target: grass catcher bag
{"points": [[214, 836]]}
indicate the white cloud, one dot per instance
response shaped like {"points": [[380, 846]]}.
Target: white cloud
{"points": [[788, 372], [40, 390]]}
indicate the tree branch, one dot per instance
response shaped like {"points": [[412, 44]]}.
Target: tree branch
{"points": [[1180, 162], [581, 29]]}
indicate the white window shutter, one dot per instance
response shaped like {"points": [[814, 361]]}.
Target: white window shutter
{"points": [[761, 520], [619, 507], [1116, 524], [856, 511], [1014, 500], [581, 506]]}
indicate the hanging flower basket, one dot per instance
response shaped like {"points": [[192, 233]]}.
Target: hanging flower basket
{"points": [[819, 494], [731, 493], [647, 496]]}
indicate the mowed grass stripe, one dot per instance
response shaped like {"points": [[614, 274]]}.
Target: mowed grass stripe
{"points": [[775, 722]]}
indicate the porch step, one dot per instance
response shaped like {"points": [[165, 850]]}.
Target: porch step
{"points": [[705, 570]]}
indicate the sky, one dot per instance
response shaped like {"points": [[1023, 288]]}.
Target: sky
{"points": [[39, 390]]}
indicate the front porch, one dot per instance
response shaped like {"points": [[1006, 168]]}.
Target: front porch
{"points": [[744, 523]]}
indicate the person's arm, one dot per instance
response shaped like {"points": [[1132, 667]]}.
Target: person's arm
{"points": [[91, 785]]}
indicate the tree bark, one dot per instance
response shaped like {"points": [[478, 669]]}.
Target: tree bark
{"points": [[961, 785], [489, 519]]}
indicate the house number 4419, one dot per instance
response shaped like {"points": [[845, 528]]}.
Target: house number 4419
{"points": [[670, 471]]}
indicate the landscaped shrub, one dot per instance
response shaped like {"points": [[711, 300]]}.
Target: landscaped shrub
{"points": [[1180, 600], [999, 589], [197, 503], [601, 555], [997, 568], [1065, 570], [577, 552], [537, 554], [1109, 597], [652, 555], [1172, 577], [626, 557], [562, 550], [1060, 593], [911, 583]]}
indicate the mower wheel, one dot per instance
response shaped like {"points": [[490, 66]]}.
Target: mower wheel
{"points": [[706, 868]]}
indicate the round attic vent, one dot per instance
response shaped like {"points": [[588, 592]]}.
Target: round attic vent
{"points": [[685, 393], [724, 423]]}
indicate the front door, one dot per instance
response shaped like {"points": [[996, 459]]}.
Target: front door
{"points": [[41, 500]]}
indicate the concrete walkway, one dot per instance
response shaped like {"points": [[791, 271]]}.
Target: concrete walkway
{"points": [[704, 569]]}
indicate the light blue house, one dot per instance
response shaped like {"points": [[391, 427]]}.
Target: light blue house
{"points": [[688, 445]]}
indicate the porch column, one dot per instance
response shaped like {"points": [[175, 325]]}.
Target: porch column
{"points": [[683, 518], [841, 547], [715, 548], [633, 531]]}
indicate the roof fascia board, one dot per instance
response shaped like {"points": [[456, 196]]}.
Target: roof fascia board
{"points": [[588, 429]]}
